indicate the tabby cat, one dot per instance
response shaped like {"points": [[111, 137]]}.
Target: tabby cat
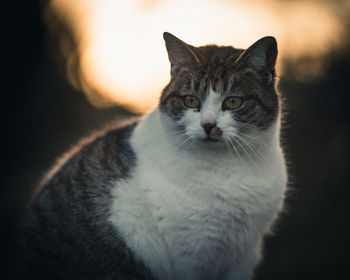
{"points": [[187, 192]]}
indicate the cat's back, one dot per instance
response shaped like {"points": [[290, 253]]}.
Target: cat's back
{"points": [[66, 233]]}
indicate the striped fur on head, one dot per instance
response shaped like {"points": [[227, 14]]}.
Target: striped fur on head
{"points": [[225, 71]]}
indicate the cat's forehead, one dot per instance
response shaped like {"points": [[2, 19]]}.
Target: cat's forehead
{"points": [[220, 73], [222, 79]]}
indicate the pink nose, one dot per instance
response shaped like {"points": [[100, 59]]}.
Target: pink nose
{"points": [[208, 127]]}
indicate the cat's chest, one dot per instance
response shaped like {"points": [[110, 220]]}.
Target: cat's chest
{"points": [[188, 216]]}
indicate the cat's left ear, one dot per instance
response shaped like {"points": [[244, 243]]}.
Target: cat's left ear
{"points": [[261, 55]]}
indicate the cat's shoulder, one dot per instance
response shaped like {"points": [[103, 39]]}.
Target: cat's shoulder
{"points": [[104, 153], [72, 207]]}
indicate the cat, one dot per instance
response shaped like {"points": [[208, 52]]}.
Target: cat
{"points": [[187, 192]]}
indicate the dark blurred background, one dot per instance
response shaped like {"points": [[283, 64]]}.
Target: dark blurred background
{"points": [[43, 116]]}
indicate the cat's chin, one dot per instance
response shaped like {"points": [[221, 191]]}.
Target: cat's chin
{"points": [[210, 140]]}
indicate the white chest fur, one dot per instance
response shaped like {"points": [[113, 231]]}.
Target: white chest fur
{"points": [[190, 214]]}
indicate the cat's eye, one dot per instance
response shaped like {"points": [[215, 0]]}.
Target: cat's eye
{"points": [[191, 101], [232, 103]]}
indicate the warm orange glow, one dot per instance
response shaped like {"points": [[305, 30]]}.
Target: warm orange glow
{"points": [[123, 56]]}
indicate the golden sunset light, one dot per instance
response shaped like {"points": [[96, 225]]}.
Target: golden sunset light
{"points": [[122, 53]]}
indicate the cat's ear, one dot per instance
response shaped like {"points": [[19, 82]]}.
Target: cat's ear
{"points": [[181, 53], [261, 55]]}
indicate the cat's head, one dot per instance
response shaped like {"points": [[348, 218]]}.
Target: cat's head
{"points": [[217, 94]]}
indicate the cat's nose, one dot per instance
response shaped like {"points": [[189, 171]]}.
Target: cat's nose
{"points": [[208, 127]]}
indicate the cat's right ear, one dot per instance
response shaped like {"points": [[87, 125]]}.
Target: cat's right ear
{"points": [[180, 53]]}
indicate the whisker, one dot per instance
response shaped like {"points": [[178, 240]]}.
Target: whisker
{"points": [[192, 141], [251, 159], [255, 139], [186, 140], [229, 150], [234, 147], [256, 152]]}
